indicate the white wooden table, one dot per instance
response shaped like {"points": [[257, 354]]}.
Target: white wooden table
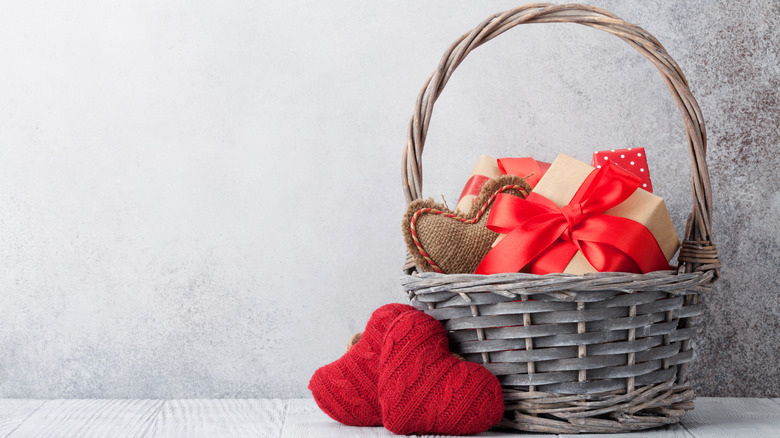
{"points": [[712, 418]]}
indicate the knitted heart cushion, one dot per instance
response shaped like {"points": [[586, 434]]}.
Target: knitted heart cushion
{"points": [[346, 389], [442, 241], [423, 389]]}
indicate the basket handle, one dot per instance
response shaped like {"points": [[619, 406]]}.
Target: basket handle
{"points": [[698, 252]]}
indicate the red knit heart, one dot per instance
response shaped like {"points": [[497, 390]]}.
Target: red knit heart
{"points": [[346, 389], [424, 389]]}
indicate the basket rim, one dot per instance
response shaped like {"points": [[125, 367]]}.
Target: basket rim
{"points": [[562, 286]]}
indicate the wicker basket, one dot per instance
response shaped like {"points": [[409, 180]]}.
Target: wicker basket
{"points": [[604, 352]]}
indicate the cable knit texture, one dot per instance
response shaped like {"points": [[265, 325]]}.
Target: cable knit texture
{"points": [[424, 389], [346, 389]]}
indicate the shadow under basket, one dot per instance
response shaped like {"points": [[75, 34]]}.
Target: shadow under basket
{"points": [[602, 352]]}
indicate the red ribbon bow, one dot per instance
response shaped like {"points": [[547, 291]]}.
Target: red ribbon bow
{"points": [[546, 236]]}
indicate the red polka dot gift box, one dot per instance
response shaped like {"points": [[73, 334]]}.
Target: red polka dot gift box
{"points": [[631, 159]]}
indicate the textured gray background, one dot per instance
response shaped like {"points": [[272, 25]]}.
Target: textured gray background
{"points": [[202, 199]]}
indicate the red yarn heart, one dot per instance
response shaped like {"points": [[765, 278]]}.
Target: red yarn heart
{"points": [[424, 389], [346, 389]]}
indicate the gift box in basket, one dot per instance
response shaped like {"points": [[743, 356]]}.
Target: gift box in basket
{"points": [[573, 306]]}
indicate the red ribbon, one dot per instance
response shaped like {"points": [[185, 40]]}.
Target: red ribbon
{"points": [[527, 168], [546, 236], [522, 167]]}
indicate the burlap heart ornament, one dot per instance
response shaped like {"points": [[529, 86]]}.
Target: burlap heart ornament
{"points": [[440, 240]]}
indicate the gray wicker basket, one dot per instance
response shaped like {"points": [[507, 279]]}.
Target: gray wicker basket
{"points": [[604, 352]]}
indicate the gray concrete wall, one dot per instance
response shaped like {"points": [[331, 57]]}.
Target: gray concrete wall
{"points": [[202, 199]]}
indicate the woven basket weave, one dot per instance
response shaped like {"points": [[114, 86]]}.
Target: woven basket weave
{"points": [[603, 352]]}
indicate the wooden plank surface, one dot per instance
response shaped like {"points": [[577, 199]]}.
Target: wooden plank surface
{"points": [[305, 420], [298, 418], [13, 412], [219, 418], [733, 417], [669, 431], [90, 418]]}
